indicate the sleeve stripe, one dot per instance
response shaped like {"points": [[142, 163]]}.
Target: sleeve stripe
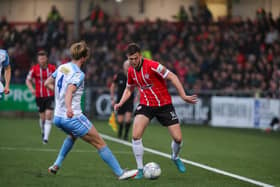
{"points": [[29, 76], [166, 73], [129, 85]]}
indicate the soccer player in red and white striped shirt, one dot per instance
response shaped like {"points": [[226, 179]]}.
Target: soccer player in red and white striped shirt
{"points": [[44, 96], [155, 101]]}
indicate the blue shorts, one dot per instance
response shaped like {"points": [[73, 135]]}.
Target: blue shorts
{"points": [[77, 126]]}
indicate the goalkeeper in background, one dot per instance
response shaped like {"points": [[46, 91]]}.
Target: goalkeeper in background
{"points": [[124, 114]]}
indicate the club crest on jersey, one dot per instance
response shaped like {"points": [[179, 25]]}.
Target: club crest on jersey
{"points": [[147, 76]]}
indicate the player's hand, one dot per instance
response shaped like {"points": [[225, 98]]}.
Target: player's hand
{"points": [[190, 99], [33, 92], [6, 90], [112, 102], [70, 113], [117, 107]]}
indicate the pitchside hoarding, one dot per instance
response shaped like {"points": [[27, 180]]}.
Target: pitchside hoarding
{"points": [[19, 99], [187, 113], [243, 112]]}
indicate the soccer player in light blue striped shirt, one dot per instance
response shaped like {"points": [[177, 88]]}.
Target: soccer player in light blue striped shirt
{"points": [[68, 83], [5, 63]]}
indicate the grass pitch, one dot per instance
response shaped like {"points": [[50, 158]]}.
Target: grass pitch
{"points": [[250, 153]]}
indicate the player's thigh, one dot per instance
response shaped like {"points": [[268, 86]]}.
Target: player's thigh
{"points": [[40, 106], [175, 132], [140, 123], [48, 114], [93, 138], [128, 117], [49, 103], [120, 118], [42, 116], [77, 126]]}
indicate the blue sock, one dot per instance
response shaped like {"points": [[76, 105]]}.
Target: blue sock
{"points": [[66, 147], [106, 154]]}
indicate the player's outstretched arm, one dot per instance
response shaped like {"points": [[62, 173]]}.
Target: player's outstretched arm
{"points": [[7, 76], [68, 99], [178, 85], [49, 83], [126, 94]]}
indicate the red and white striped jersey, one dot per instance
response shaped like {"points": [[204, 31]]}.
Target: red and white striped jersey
{"points": [[40, 75], [150, 80]]}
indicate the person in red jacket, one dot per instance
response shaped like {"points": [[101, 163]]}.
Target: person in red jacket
{"points": [[44, 96]]}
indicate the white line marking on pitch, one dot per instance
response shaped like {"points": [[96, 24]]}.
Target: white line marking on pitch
{"points": [[258, 183], [55, 150]]}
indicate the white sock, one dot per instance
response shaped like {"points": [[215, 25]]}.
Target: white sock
{"points": [[41, 123], [138, 151], [48, 127], [175, 149]]}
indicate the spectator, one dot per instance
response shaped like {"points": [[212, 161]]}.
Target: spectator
{"points": [[54, 15], [182, 14]]}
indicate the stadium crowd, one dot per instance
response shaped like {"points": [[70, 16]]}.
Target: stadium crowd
{"points": [[228, 55]]}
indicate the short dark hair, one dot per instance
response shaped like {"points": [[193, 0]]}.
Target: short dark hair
{"points": [[133, 48], [42, 53]]}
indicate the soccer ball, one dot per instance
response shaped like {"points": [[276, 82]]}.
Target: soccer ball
{"points": [[151, 170]]}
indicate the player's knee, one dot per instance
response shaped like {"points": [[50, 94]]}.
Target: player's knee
{"points": [[136, 137], [178, 140]]}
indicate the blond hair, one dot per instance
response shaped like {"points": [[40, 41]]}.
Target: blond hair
{"points": [[79, 50]]}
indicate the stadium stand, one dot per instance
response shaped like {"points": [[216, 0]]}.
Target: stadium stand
{"points": [[227, 55]]}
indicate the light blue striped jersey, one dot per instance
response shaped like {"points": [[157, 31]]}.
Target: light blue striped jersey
{"points": [[64, 75], [4, 59]]}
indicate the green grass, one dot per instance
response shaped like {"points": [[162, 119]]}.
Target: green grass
{"points": [[249, 153]]}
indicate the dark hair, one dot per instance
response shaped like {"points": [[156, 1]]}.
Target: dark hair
{"points": [[132, 48], [42, 53]]}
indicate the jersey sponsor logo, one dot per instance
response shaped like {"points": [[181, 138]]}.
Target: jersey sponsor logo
{"points": [[64, 70], [146, 86], [173, 115]]}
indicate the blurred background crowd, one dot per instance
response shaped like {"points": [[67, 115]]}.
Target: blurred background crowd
{"points": [[226, 55]]}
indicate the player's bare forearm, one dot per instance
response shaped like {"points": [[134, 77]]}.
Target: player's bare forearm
{"points": [[30, 86], [7, 76], [178, 85], [126, 94], [68, 99], [49, 83], [112, 91]]}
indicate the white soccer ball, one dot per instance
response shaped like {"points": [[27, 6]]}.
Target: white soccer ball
{"points": [[151, 170]]}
